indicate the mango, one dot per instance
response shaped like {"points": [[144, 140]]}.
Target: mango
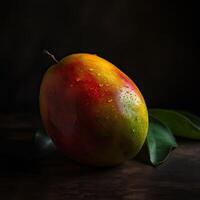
{"points": [[93, 112]]}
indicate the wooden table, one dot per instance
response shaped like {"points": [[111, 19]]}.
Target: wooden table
{"points": [[54, 177]]}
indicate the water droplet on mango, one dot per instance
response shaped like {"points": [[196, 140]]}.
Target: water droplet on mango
{"points": [[100, 85], [78, 79]]}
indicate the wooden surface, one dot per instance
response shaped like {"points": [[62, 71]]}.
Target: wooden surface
{"points": [[54, 177]]}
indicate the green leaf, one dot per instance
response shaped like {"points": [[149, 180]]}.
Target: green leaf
{"points": [[43, 143], [159, 143], [195, 119], [181, 123]]}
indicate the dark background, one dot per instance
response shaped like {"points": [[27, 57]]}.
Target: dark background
{"points": [[154, 42]]}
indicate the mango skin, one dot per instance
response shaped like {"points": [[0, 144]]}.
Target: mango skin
{"points": [[92, 111]]}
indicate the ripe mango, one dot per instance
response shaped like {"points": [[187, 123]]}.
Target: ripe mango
{"points": [[93, 112]]}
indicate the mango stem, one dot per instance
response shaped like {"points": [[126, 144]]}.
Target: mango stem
{"points": [[51, 55]]}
